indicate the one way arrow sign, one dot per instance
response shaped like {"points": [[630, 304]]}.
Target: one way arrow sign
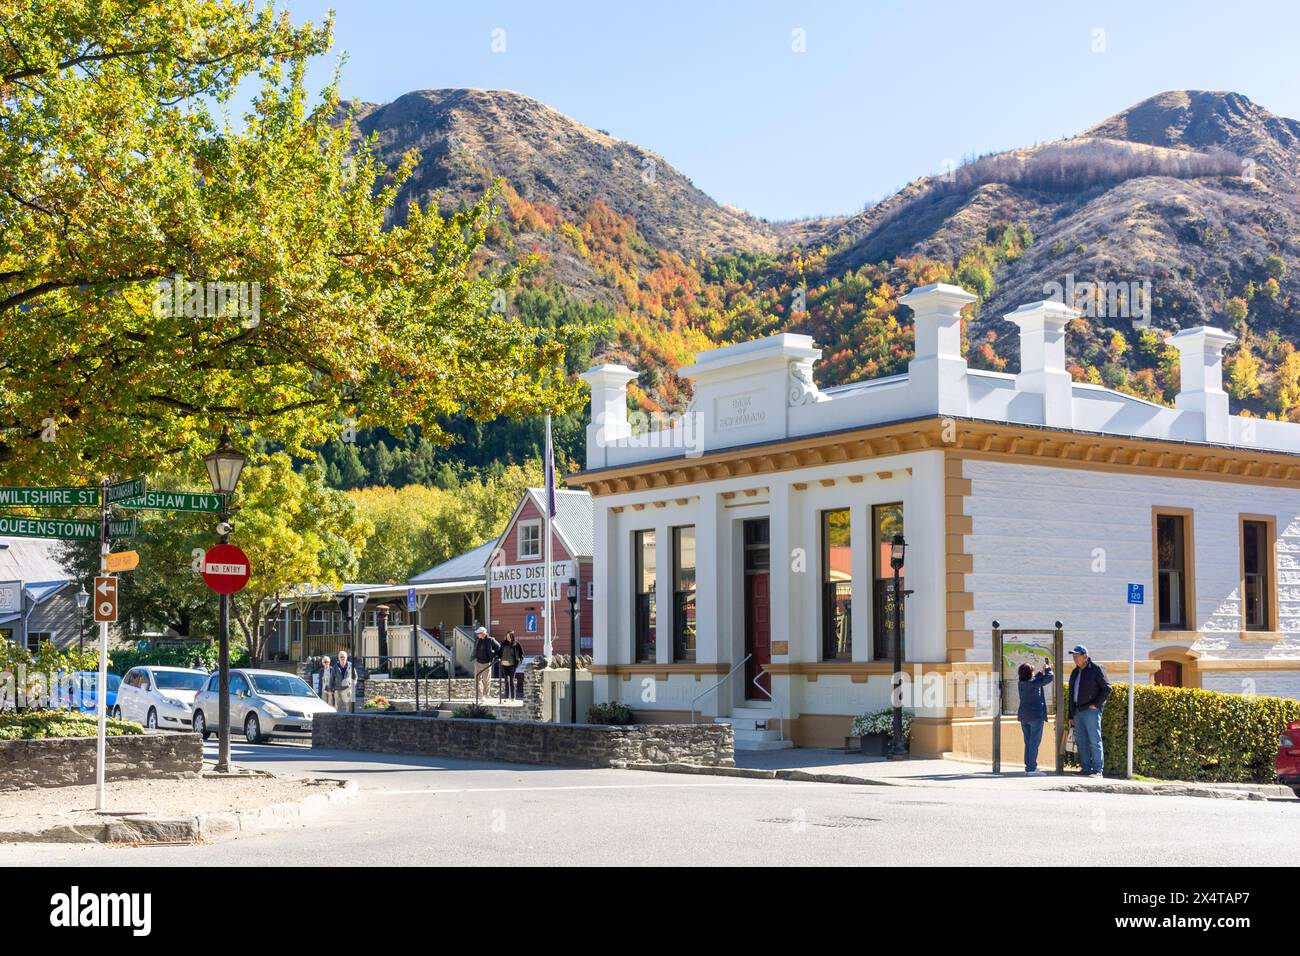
{"points": [[106, 600]]}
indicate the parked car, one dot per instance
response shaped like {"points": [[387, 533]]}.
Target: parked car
{"points": [[263, 704], [1288, 757], [159, 696], [76, 691]]}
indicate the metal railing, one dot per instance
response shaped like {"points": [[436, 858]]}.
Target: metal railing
{"points": [[771, 699], [726, 677]]}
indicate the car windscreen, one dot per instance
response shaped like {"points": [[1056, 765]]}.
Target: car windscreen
{"points": [[280, 685], [179, 680]]}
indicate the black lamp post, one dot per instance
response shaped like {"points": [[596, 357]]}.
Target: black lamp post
{"points": [[83, 598], [224, 467], [359, 601], [897, 745], [573, 650]]}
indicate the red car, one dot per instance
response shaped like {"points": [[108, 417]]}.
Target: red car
{"points": [[1288, 757]]}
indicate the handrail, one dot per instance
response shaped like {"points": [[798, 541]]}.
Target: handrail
{"points": [[771, 699], [725, 678]]}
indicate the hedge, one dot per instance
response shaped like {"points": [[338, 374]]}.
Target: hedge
{"points": [[200, 653], [1180, 733], [36, 724]]}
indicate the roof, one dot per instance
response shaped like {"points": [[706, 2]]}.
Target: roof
{"points": [[575, 518], [31, 560], [464, 567]]}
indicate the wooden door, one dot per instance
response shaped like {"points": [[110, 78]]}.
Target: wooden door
{"points": [[758, 635]]}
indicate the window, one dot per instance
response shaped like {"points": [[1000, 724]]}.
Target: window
{"points": [[684, 593], [837, 586], [238, 684], [35, 638], [886, 521], [530, 540], [1173, 597], [1257, 574], [643, 547], [591, 590]]}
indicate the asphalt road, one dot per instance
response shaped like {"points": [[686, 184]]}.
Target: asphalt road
{"points": [[424, 811]]}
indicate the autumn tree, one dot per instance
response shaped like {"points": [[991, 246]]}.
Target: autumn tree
{"points": [[166, 269]]}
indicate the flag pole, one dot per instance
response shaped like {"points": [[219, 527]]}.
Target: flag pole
{"points": [[547, 646]]}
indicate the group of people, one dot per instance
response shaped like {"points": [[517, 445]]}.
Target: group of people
{"points": [[335, 681], [505, 655], [1088, 692]]}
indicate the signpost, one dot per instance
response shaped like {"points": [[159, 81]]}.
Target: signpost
{"points": [[131, 488], [122, 528], [69, 529], [122, 561], [1136, 596], [106, 599], [173, 501], [225, 569], [50, 497]]}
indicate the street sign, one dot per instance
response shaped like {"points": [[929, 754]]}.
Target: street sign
{"points": [[122, 528], [11, 597], [131, 488], [49, 528], [173, 501], [49, 497], [106, 600], [225, 569], [121, 561], [1136, 593], [411, 602], [530, 623]]}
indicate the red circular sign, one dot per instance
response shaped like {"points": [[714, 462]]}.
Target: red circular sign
{"points": [[225, 569]]}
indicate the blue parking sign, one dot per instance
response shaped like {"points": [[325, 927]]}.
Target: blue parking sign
{"points": [[1136, 594], [530, 623], [410, 599]]}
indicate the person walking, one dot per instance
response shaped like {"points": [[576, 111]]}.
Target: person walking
{"points": [[343, 681], [485, 654], [510, 655], [323, 680], [1089, 690], [1032, 711]]}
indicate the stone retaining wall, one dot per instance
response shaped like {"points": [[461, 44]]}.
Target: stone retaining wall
{"points": [[432, 688], [575, 745], [66, 761]]}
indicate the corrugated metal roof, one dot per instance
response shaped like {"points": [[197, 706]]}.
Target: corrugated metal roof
{"points": [[575, 518], [464, 567], [31, 560]]}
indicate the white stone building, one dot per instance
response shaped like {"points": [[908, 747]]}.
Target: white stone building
{"points": [[765, 515]]}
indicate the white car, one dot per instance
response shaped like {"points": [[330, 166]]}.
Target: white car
{"points": [[263, 704], [159, 696]]}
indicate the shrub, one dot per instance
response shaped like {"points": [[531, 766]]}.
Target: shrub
{"points": [[379, 703], [201, 654], [1181, 733], [611, 713], [39, 724], [474, 712], [881, 722]]}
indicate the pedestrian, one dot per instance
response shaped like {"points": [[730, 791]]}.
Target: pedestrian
{"points": [[323, 680], [485, 654], [1089, 690], [343, 681], [511, 655], [1032, 711]]}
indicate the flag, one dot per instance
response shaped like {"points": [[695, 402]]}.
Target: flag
{"points": [[550, 471]]}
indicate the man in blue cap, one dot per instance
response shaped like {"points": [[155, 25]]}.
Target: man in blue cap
{"points": [[1089, 689]]}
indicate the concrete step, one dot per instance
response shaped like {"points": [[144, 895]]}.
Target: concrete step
{"points": [[746, 741]]}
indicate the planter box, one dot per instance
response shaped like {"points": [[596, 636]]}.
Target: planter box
{"points": [[874, 745]]}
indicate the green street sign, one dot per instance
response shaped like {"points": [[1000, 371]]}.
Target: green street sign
{"points": [[132, 488], [49, 528], [49, 497], [122, 529], [174, 501]]}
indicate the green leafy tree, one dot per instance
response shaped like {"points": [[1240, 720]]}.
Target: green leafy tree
{"points": [[124, 193]]}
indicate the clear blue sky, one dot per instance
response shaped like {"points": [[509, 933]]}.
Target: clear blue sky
{"points": [[885, 92]]}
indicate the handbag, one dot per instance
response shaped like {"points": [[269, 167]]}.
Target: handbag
{"points": [[1071, 745]]}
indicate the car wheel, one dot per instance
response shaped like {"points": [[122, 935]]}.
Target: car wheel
{"points": [[117, 713], [200, 725], [1297, 791], [252, 730], [151, 719]]}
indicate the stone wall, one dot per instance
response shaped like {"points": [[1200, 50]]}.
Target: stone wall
{"points": [[575, 745], [65, 761], [462, 688]]}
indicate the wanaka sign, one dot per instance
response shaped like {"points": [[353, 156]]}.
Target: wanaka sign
{"points": [[522, 583]]}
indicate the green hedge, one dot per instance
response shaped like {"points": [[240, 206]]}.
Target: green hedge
{"points": [[36, 724], [610, 713], [200, 653], [1180, 733]]}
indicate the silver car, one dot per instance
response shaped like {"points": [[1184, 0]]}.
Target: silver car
{"points": [[263, 704]]}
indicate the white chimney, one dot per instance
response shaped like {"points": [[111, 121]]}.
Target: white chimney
{"points": [[937, 372], [1200, 357], [1042, 358], [608, 409]]}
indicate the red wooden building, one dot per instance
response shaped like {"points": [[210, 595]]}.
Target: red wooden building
{"points": [[516, 572]]}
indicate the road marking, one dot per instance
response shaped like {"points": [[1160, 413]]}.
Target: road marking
{"points": [[606, 786]]}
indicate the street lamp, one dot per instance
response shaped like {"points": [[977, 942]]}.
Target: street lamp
{"points": [[359, 601], [224, 467], [83, 598], [897, 553], [573, 650]]}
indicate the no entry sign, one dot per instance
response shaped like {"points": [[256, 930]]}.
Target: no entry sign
{"points": [[225, 569]]}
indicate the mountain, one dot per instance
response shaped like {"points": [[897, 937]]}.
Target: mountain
{"points": [[1186, 206]]}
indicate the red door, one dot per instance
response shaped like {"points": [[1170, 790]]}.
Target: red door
{"points": [[758, 636], [1170, 674]]}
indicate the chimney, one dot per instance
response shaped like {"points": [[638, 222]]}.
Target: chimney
{"points": [[937, 373], [608, 409], [1200, 357], [1042, 358]]}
